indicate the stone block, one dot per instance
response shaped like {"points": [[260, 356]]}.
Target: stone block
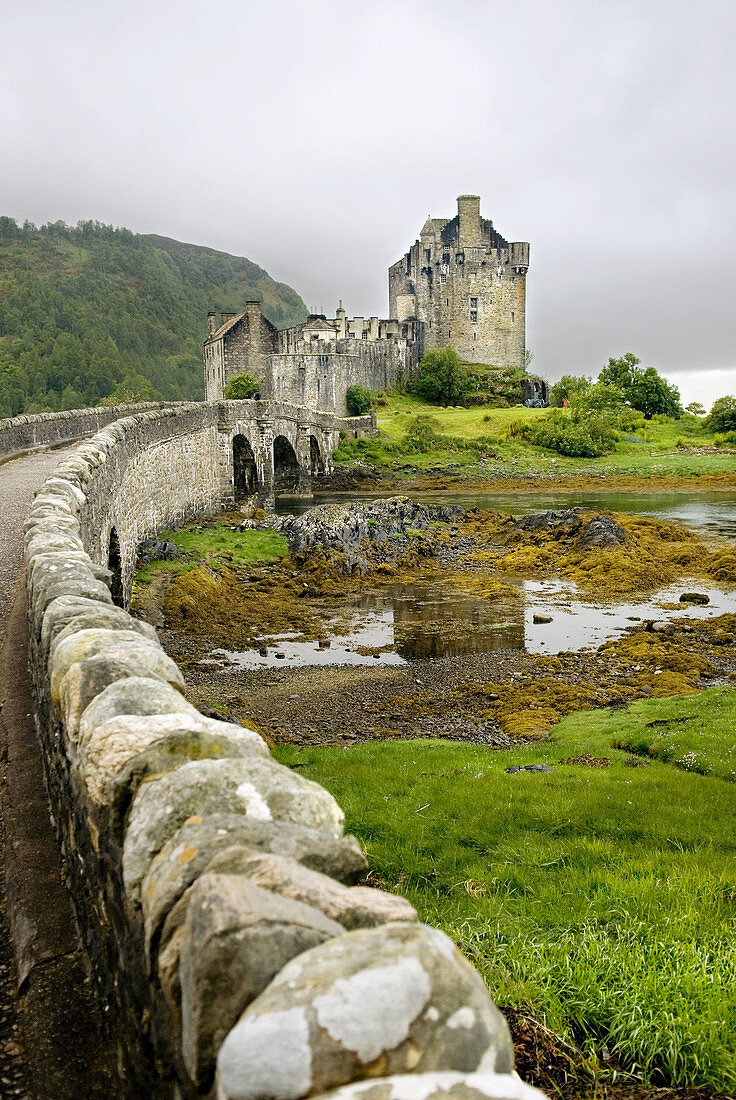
{"points": [[67, 609], [52, 581], [102, 617], [352, 907], [435, 1086], [258, 788], [191, 849], [134, 695], [378, 1002], [124, 751], [235, 938], [88, 678], [115, 644]]}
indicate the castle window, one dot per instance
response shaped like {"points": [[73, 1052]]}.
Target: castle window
{"points": [[351, 335], [512, 316], [447, 301], [445, 258], [443, 278], [474, 316], [324, 360], [364, 335], [428, 254], [460, 258], [473, 303]]}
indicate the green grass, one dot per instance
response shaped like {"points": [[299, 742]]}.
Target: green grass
{"points": [[476, 443], [217, 547], [602, 899]]}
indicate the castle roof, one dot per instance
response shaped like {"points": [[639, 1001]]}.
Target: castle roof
{"points": [[220, 332]]}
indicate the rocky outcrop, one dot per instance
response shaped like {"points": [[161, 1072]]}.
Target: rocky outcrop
{"points": [[214, 888], [364, 534]]}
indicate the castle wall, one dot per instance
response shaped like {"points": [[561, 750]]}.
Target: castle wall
{"points": [[321, 380]]}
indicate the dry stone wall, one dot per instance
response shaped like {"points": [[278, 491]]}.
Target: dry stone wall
{"points": [[22, 433], [214, 888]]}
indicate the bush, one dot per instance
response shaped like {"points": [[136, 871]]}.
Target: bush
{"points": [[241, 387], [581, 435], [358, 400], [442, 379], [722, 416]]}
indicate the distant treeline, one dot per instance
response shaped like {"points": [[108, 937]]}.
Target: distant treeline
{"points": [[94, 312]]}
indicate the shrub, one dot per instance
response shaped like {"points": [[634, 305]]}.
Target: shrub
{"points": [[241, 387], [442, 380], [577, 435], [358, 400]]}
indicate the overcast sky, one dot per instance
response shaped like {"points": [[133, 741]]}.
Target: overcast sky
{"points": [[315, 137]]}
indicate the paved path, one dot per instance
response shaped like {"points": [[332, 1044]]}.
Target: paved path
{"points": [[19, 479]]}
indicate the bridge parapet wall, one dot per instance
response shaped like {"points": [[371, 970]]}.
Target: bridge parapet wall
{"points": [[211, 884], [22, 433]]}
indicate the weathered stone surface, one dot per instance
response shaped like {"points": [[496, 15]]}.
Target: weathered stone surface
{"points": [[114, 644], [88, 678], [51, 540], [662, 626], [382, 1001], [55, 581], [124, 751], [256, 787], [191, 849], [435, 1086], [236, 937], [134, 695], [352, 907], [103, 617], [65, 610], [43, 559]]}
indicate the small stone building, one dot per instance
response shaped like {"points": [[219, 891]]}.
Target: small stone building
{"points": [[464, 285], [311, 364]]}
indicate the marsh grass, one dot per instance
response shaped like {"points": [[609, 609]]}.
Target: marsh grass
{"points": [[217, 547], [600, 899], [480, 440]]}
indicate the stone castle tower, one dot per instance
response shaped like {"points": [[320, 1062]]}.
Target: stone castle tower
{"points": [[464, 285]]}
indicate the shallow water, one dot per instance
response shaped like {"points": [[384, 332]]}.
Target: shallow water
{"points": [[714, 512], [418, 621], [410, 621]]}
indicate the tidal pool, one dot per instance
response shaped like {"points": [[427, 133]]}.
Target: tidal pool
{"points": [[418, 621]]}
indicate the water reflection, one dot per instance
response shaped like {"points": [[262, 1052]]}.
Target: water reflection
{"points": [[419, 621]]}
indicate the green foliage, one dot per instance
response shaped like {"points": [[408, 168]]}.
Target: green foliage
{"points": [[695, 409], [358, 400], [442, 380], [722, 416], [568, 388], [577, 433], [645, 390], [87, 312], [600, 899], [241, 387], [217, 547]]}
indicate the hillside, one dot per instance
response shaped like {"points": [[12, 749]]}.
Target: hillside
{"points": [[93, 312]]}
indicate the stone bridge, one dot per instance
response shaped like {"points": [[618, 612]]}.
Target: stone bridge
{"points": [[269, 446], [211, 886]]}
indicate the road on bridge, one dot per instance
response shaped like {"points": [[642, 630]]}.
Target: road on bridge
{"points": [[48, 1045]]}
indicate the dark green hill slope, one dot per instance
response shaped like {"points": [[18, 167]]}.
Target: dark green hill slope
{"points": [[94, 312]]}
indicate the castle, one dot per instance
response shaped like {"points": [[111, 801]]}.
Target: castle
{"points": [[460, 284]]}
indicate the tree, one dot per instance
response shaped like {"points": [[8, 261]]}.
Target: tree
{"points": [[241, 387], [645, 390], [695, 409], [442, 380], [568, 388], [358, 400], [722, 416]]}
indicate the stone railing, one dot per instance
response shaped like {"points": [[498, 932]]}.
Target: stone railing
{"points": [[212, 885], [23, 433]]}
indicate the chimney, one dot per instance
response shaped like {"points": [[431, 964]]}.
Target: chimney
{"points": [[253, 310], [211, 324], [228, 317], [468, 209]]}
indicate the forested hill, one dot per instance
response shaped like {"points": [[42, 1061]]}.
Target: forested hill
{"points": [[95, 312]]}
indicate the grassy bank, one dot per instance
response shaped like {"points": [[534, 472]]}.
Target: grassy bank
{"points": [[479, 443], [600, 896]]}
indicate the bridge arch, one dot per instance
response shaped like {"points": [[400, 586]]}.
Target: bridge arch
{"points": [[316, 458], [285, 466], [245, 468], [115, 565]]}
